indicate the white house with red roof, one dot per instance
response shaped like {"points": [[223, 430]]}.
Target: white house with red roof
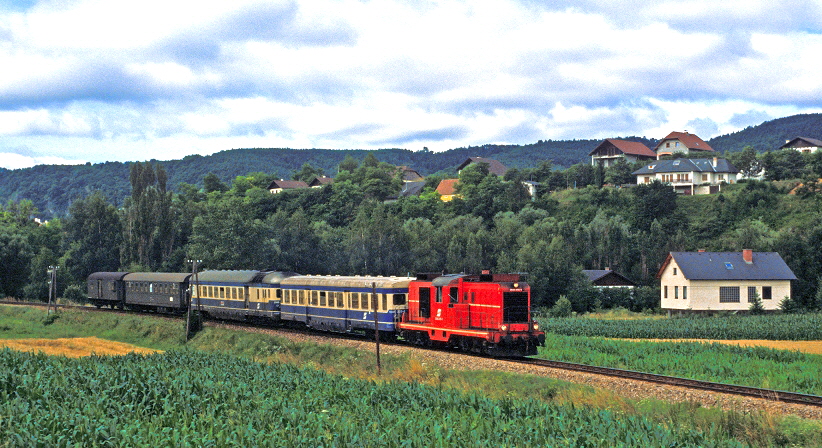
{"points": [[611, 150], [681, 142]]}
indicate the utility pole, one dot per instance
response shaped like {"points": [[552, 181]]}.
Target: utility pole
{"points": [[52, 271], [195, 264], [376, 324]]}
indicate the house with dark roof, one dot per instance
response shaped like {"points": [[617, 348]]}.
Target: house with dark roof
{"points": [[681, 142], [279, 185], [409, 174], [803, 144], [611, 150], [494, 166], [723, 281], [447, 189], [319, 181], [689, 176], [607, 278]]}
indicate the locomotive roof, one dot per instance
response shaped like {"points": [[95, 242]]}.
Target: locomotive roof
{"points": [[445, 280], [157, 277], [353, 282], [247, 276], [107, 275]]}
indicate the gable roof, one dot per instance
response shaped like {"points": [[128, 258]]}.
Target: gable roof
{"points": [[691, 141], [286, 184], [687, 166], [318, 181], [493, 166], [729, 266], [802, 142], [594, 275], [447, 187], [409, 174], [626, 147]]}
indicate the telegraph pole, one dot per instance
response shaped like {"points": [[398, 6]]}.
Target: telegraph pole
{"points": [[52, 271], [195, 264], [376, 324]]}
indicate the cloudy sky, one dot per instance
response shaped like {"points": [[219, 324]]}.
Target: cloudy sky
{"points": [[100, 80]]}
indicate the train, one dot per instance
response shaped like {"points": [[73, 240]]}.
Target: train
{"points": [[484, 313]]}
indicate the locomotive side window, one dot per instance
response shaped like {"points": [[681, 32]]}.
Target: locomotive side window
{"points": [[439, 294], [454, 295]]}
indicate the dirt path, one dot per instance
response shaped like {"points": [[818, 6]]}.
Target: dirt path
{"points": [[810, 347]]}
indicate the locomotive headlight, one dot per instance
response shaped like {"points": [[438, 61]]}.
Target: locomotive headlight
{"points": [[516, 285], [503, 327], [536, 326]]}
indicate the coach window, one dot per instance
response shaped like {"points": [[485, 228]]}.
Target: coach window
{"points": [[322, 298], [384, 302], [340, 302], [355, 300], [399, 299], [222, 292]]}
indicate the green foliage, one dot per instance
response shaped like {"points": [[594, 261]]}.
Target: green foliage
{"points": [[562, 308], [774, 327], [195, 399]]}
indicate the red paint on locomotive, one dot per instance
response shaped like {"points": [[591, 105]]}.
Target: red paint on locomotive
{"points": [[487, 313]]}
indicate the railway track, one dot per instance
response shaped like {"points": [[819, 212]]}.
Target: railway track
{"points": [[767, 394]]}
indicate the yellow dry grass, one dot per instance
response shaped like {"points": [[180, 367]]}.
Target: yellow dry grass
{"points": [[73, 347], [810, 347]]}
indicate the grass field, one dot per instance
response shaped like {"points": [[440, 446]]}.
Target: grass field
{"points": [[709, 426]]}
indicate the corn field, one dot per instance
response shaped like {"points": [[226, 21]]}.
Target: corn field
{"points": [[193, 399], [775, 327]]}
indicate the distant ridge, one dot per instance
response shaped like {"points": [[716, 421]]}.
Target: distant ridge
{"points": [[52, 188]]}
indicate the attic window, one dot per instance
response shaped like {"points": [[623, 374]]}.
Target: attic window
{"points": [[676, 162], [650, 167], [728, 265]]}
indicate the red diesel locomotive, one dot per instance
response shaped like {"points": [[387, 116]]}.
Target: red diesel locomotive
{"points": [[486, 313]]}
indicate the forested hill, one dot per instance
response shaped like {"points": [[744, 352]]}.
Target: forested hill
{"points": [[770, 135], [52, 188]]}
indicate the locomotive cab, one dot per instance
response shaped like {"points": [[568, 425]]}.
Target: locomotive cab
{"points": [[486, 313]]}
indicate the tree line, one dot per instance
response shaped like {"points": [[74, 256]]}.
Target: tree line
{"points": [[580, 219]]}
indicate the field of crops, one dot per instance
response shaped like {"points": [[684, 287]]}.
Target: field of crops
{"points": [[776, 327], [195, 399], [749, 366]]}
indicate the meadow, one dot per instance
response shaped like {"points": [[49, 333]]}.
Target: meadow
{"points": [[207, 391]]}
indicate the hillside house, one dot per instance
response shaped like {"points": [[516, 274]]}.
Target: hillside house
{"points": [[320, 181], [607, 278], [681, 142], [723, 281], [803, 144], [280, 185], [409, 175], [689, 176], [611, 150], [447, 189], [494, 166]]}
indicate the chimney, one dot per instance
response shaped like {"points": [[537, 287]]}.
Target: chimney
{"points": [[716, 159], [700, 250], [747, 255]]}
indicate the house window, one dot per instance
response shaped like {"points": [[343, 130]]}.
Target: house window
{"points": [[704, 178], [647, 179], [685, 293], [666, 291], [767, 293], [676, 292], [729, 294], [751, 293], [674, 271]]}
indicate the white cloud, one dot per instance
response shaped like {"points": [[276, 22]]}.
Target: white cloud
{"points": [[110, 79]]}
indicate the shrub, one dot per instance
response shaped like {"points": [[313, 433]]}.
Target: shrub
{"points": [[75, 294], [562, 308]]}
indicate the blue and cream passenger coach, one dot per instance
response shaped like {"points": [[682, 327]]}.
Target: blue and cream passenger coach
{"points": [[344, 303], [239, 294]]}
